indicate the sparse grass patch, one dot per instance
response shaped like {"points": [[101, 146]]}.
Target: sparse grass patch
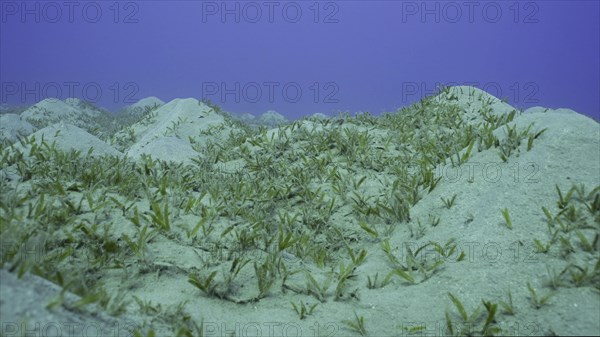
{"points": [[419, 269], [206, 284], [265, 275], [369, 230], [508, 307], [461, 159], [471, 323], [555, 280], [139, 246], [302, 310], [585, 276], [318, 290], [506, 217], [532, 137], [160, 216], [536, 300], [449, 202], [356, 325], [373, 283]]}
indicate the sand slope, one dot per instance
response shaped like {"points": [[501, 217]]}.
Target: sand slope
{"points": [[12, 126], [170, 132], [51, 110], [69, 137], [23, 311], [139, 107]]}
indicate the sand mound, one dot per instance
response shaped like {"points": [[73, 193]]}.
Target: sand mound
{"points": [[12, 126], [147, 102], [84, 107], [140, 107], [473, 102], [318, 115], [51, 110], [179, 123], [70, 137], [272, 118], [246, 117]]}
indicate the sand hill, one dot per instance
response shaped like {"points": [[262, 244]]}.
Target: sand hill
{"points": [[67, 137], [52, 110], [272, 119], [171, 131], [140, 107]]}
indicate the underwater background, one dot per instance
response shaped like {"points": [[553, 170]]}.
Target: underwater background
{"points": [[300, 57]]}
